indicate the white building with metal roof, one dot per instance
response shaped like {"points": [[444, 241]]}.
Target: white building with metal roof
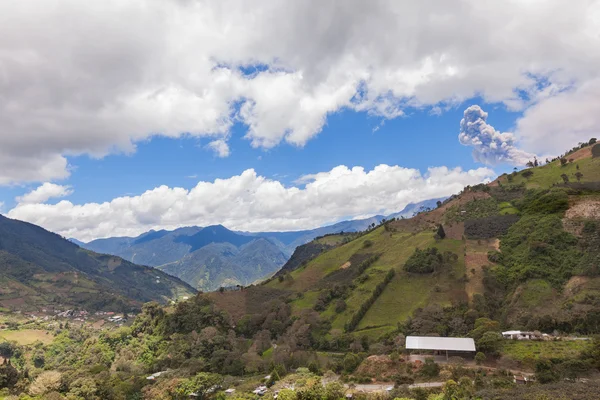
{"points": [[440, 344]]}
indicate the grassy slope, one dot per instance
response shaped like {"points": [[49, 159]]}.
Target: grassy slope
{"points": [[402, 296], [549, 174], [407, 292], [27, 336]]}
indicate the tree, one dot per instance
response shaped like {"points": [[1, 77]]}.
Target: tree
{"points": [[440, 232], [47, 381], [430, 369], [7, 350], [592, 141], [565, 178], [438, 203], [479, 358], [334, 391], [340, 306], [490, 343], [535, 162], [529, 164], [545, 372], [84, 388], [9, 375], [483, 325], [351, 362], [201, 384], [563, 161]]}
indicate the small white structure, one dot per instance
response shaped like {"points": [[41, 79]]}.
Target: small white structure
{"points": [[156, 375], [260, 391], [519, 335]]}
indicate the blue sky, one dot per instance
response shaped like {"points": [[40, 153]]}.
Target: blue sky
{"points": [[214, 114], [418, 140]]}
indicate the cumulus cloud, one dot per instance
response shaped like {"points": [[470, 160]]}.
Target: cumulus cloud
{"points": [[63, 92], [220, 148], [489, 146], [45, 192], [252, 202]]}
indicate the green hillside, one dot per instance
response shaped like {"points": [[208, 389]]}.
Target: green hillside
{"points": [[545, 176], [538, 257], [39, 269]]}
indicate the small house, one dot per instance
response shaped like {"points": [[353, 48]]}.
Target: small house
{"points": [[520, 335]]}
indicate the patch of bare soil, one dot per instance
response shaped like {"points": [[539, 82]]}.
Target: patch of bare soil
{"points": [[575, 284], [382, 368], [586, 209], [476, 259], [579, 212], [496, 244], [455, 230], [251, 300], [586, 152], [113, 263]]}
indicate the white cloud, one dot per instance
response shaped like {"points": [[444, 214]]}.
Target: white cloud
{"points": [[45, 192], [252, 202], [489, 146], [560, 122], [220, 148], [172, 68]]}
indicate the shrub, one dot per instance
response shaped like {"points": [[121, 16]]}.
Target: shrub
{"points": [[340, 306], [428, 260], [551, 201], [479, 358], [430, 369], [47, 381], [490, 343]]}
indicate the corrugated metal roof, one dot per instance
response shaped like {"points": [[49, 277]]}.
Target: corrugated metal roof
{"points": [[439, 343]]}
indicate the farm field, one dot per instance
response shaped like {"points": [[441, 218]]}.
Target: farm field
{"points": [[27, 336], [529, 351]]}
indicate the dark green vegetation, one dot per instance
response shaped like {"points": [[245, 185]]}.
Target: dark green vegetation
{"points": [[429, 260], [40, 269]]}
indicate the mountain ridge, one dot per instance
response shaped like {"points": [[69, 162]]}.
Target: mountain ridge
{"points": [[42, 268], [175, 251]]}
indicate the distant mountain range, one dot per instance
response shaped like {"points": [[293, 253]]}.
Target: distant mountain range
{"points": [[40, 269], [211, 257]]}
